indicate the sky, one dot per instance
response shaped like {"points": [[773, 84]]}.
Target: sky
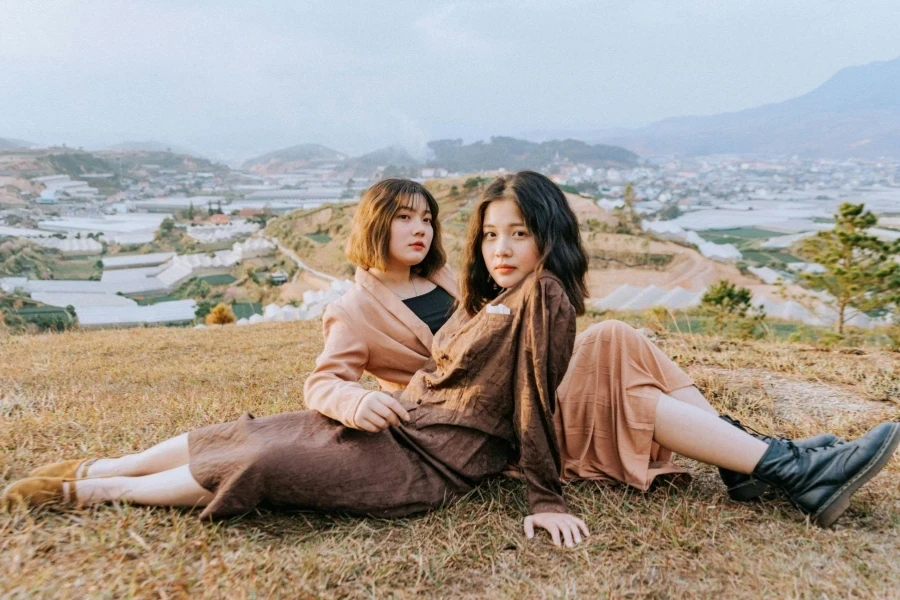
{"points": [[235, 79]]}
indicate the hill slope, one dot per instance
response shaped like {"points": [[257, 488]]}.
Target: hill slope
{"points": [[514, 154], [301, 155], [319, 237], [130, 389], [855, 113]]}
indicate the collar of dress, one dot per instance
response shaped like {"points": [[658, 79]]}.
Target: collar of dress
{"points": [[443, 278]]}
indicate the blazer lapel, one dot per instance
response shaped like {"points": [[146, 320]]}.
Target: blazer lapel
{"points": [[395, 306]]}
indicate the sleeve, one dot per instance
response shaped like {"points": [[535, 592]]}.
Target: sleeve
{"points": [[542, 360], [333, 388]]}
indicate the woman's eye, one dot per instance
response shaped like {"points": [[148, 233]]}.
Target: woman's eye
{"points": [[402, 216]]}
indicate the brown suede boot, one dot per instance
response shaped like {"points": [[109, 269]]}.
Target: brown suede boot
{"points": [[67, 469], [39, 491]]}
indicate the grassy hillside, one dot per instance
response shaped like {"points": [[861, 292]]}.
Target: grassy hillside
{"points": [[319, 236], [129, 389]]}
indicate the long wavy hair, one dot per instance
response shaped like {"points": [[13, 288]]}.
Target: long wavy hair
{"points": [[550, 220]]}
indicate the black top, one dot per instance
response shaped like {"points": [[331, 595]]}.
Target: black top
{"points": [[434, 307]]}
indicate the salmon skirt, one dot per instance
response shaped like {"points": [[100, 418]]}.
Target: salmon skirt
{"points": [[606, 408]]}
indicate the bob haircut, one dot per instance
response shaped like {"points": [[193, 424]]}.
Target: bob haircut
{"points": [[370, 237], [550, 220]]}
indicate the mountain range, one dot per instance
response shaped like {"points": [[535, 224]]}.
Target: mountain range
{"points": [[498, 152], [856, 113]]}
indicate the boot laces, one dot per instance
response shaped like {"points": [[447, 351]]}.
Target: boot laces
{"points": [[766, 438]]}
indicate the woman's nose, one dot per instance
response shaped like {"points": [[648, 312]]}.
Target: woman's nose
{"points": [[502, 248]]}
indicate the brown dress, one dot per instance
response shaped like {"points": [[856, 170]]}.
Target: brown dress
{"points": [[607, 401], [486, 396]]}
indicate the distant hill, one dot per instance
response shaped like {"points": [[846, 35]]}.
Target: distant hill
{"points": [[393, 155], [514, 154], [149, 146], [295, 156], [133, 159], [856, 113], [14, 144]]}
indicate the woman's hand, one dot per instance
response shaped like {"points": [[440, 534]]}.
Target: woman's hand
{"points": [[378, 411], [557, 524]]}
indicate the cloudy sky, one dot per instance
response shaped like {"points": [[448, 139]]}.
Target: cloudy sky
{"points": [[233, 79]]}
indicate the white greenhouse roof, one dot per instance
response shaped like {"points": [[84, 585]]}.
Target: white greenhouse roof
{"points": [[177, 311], [117, 262]]}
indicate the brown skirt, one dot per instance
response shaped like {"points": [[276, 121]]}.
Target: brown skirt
{"points": [[305, 460], [607, 406]]}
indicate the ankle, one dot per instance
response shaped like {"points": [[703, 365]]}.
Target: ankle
{"points": [[69, 496]]}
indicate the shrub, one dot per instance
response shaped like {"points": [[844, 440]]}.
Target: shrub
{"points": [[221, 314]]}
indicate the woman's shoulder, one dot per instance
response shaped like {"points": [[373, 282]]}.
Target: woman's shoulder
{"points": [[349, 304], [550, 288], [548, 283]]}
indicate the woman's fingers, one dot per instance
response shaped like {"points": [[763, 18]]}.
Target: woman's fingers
{"points": [[566, 528], [384, 411], [365, 425], [563, 528], [554, 533], [529, 527], [583, 527], [372, 423], [398, 409], [574, 534]]}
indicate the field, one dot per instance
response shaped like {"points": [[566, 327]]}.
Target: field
{"points": [[129, 389], [737, 236]]}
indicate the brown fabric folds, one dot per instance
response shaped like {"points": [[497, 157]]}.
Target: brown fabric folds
{"points": [[486, 394]]}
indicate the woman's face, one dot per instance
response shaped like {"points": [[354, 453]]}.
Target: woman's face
{"points": [[509, 249], [411, 234]]}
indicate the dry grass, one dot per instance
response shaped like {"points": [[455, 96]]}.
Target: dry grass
{"points": [[108, 393]]}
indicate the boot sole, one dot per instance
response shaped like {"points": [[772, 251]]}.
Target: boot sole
{"points": [[840, 500]]}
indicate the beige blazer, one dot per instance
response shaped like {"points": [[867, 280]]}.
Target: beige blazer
{"points": [[368, 330]]}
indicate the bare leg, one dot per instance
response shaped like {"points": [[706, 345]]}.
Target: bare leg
{"points": [[161, 457], [692, 396], [175, 487], [695, 433]]}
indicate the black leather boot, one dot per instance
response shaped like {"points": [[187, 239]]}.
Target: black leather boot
{"points": [[743, 488], [820, 481]]}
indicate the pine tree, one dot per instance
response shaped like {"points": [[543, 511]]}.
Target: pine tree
{"points": [[861, 273], [732, 310]]}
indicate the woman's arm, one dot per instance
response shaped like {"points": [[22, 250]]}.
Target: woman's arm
{"points": [[543, 356], [333, 388], [548, 337]]}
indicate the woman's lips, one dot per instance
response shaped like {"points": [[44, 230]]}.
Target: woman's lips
{"points": [[418, 246], [504, 269]]}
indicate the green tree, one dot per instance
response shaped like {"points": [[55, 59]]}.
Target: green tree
{"points": [[861, 273], [473, 183], [454, 191], [629, 221], [731, 309], [166, 228]]}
